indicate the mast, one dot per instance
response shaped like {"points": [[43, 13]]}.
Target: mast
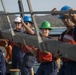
{"points": [[21, 9]]}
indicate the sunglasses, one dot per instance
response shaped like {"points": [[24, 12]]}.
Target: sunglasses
{"points": [[26, 23], [65, 17], [17, 22]]}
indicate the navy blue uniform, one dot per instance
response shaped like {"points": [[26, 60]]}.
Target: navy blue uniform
{"points": [[68, 67], [48, 68], [2, 64], [28, 62], [17, 55]]}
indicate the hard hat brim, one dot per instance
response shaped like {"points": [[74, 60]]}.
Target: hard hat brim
{"points": [[60, 16]]}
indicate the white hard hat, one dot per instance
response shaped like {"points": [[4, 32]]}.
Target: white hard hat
{"points": [[17, 19]]}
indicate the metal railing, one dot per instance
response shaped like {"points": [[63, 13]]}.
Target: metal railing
{"points": [[40, 12]]}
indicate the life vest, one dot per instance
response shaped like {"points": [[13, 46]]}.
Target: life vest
{"points": [[69, 39], [11, 43], [8, 52], [8, 49], [41, 56], [24, 49], [44, 57], [68, 36]]}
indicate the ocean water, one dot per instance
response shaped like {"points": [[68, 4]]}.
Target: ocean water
{"points": [[54, 31], [57, 30]]}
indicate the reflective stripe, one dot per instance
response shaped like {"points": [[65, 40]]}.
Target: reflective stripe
{"points": [[68, 37]]}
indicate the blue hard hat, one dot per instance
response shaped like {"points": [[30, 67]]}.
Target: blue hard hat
{"points": [[27, 19], [65, 8]]}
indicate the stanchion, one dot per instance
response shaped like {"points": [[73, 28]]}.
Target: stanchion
{"points": [[14, 71]]}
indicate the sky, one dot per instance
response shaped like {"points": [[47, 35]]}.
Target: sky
{"points": [[37, 5]]}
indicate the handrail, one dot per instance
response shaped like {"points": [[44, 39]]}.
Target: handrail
{"points": [[40, 12]]}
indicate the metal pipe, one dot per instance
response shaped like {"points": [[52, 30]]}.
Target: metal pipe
{"points": [[40, 41], [40, 12]]}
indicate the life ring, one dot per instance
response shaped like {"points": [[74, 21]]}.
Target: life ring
{"points": [[6, 49]]}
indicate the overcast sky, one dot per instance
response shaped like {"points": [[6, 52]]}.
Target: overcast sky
{"points": [[41, 5]]}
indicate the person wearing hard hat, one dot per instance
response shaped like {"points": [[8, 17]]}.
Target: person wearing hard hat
{"points": [[29, 59], [69, 9], [17, 54], [27, 23], [48, 65], [68, 14], [69, 66], [45, 28], [18, 24]]}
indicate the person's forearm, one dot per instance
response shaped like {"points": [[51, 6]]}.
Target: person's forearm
{"points": [[32, 51], [29, 30]]}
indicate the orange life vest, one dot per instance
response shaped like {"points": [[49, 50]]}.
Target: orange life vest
{"points": [[11, 43], [9, 53], [43, 57], [69, 38], [8, 49], [24, 49]]}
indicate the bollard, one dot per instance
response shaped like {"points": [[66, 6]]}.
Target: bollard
{"points": [[14, 71]]}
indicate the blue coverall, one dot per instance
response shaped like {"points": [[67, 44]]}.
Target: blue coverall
{"points": [[17, 55], [2, 64]]}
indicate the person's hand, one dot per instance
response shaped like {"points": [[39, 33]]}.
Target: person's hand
{"points": [[70, 10], [57, 54], [46, 52], [73, 16], [7, 61], [53, 11]]}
